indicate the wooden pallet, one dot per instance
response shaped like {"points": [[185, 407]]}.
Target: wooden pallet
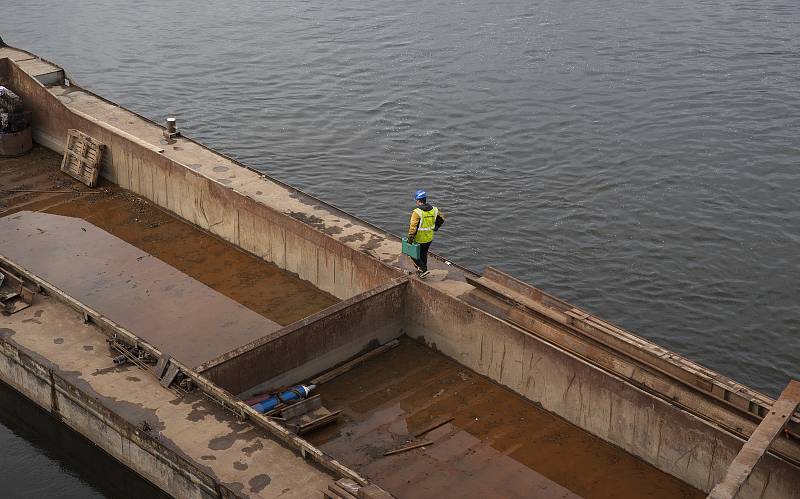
{"points": [[82, 157]]}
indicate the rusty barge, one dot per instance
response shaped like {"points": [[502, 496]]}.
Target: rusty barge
{"points": [[218, 283]]}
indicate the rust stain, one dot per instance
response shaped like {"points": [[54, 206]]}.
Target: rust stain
{"points": [[495, 433], [256, 284]]}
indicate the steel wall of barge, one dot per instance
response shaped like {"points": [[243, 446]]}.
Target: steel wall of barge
{"points": [[41, 383], [659, 432], [314, 344]]}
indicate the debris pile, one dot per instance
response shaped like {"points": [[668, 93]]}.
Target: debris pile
{"points": [[15, 125], [13, 118]]}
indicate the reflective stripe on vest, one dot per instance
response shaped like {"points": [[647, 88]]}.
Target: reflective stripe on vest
{"points": [[427, 221]]}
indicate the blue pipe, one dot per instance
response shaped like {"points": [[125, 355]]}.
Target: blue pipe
{"points": [[292, 394]]}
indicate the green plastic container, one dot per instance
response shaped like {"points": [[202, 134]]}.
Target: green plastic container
{"points": [[410, 249]]}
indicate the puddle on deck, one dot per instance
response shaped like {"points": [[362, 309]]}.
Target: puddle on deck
{"points": [[498, 445]]}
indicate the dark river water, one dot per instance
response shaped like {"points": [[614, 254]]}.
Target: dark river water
{"points": [[639, 158]]}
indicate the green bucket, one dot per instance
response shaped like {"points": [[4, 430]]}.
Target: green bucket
{"points": [[410, 249]]}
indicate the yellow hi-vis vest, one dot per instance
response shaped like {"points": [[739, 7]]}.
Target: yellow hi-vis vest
{"points": [[427, 220]]}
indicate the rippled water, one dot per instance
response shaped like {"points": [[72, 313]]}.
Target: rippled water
{"points": [[637, 158]]}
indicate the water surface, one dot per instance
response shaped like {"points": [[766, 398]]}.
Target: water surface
{"points": [[637, 158]]}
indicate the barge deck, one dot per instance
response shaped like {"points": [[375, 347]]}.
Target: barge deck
{"points": [[196, 431], [495, 444], [319, 287], [498, 443]]}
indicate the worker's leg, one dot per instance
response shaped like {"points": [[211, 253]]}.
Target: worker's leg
{"points": [[417, 262], [423, 256]]}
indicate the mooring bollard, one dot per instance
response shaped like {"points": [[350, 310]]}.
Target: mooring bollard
{"points": [[172, 128]]}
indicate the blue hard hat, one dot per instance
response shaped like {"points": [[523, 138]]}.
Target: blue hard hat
{"points": [[420, 194]]}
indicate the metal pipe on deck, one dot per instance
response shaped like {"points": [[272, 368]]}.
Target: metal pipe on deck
{"points": [[293, 394]]}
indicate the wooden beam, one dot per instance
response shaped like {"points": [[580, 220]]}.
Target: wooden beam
{"points": [[753, 450], [408, 448], [333, 373], [432, 427], [302, 407], [318, 423]]}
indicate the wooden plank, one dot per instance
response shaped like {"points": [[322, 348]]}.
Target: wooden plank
{"points": [[278, 408], [753, 450], [318, 423], [302, 407], [353, 363], [348, 485], [172, 373], [408, 448], [432, 427], [372, 491], [161, 366], [339, 492]]}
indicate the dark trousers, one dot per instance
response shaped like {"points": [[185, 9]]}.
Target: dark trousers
{"points": [[422, 263]]}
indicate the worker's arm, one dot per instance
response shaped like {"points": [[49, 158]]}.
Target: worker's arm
{"points": [[412, 226], [439, 221]]}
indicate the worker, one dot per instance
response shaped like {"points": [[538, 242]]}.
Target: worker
{"points": [[425, 220]]}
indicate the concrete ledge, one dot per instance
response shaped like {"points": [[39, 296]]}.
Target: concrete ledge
{"points": [[44, 71], [313, 344]]}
